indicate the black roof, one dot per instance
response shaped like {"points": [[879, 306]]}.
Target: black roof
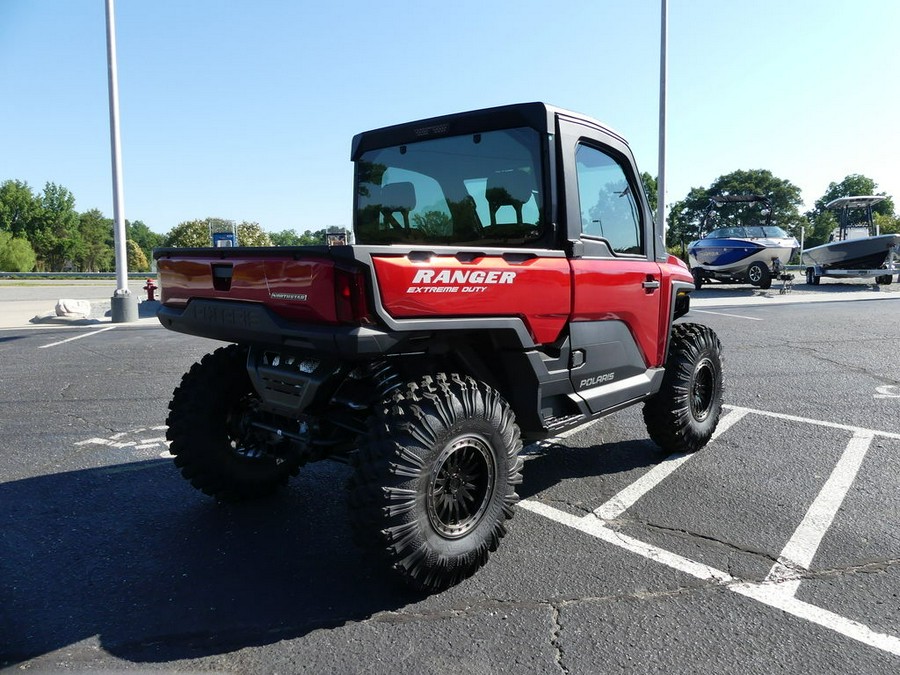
{"points": [[539, 116]]}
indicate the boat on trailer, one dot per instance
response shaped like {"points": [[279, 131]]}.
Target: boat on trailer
{"points": [[854, 251], [752, 254]]}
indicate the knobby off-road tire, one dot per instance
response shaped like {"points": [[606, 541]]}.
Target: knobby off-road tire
{"points": [[210, 435], [435, 479], [683, 415]]}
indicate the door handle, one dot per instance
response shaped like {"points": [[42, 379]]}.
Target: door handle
{"points": [[651, 284]]}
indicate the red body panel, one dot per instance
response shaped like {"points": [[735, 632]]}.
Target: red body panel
{"points": [[537, 290], [300, 290], [545, 293], [612, 290]]}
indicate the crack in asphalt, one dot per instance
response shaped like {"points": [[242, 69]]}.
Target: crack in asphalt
{"points": [[555, 641], [703, 537], [490, 606], [820, 353], [871, 567]]}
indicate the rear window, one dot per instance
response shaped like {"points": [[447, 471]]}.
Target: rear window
{"points": [[482, 188]]}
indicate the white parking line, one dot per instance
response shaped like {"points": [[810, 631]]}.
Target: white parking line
{"points": [[769, 593], [777, 590], [775, 595], [616, 506], [798, 553], [77, 337], [626, 498], [734, 316], [591, 525], [818, 423]]}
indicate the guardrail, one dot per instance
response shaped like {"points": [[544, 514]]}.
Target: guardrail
{"points": [[73, 275]]}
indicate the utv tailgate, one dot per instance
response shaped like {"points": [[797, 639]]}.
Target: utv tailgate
{"points": [[298, 285]]}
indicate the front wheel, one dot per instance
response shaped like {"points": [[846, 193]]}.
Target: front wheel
{"points": [[683, 414], [435, 479], [759, 275]]}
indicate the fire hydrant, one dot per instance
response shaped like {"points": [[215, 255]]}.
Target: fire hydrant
{"points": [[150, 287]]}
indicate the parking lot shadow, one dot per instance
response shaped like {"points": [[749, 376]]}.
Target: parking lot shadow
{"points": [[558, 463], [132, 554]]}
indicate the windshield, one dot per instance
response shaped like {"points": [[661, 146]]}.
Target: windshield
{"points": [[759, 232], [479, 188]]}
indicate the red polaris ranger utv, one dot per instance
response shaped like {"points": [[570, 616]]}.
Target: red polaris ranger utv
{"points": [[506, 282]]}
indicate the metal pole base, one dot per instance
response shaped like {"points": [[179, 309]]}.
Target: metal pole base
{"points": [[124, 308]]}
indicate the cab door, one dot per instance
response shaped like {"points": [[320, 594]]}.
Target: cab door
{"points": [[615, 322]]}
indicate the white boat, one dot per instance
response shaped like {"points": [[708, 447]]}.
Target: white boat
{"points": [[853, 250]]}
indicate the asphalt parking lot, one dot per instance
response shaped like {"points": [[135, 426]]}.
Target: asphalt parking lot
{"points": [[775, 548]]}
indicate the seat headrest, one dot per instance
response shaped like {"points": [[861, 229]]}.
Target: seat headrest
{"points": [[398, 196], [510, 186]]}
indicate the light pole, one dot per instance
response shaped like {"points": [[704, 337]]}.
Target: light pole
{"points": [[663, 74], [124, 304]]}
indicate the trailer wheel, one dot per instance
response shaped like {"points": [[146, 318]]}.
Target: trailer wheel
{"points": [[211, 435], [683, 415], [811, 277], [698, 278], [883, 280], [435, 479], [759, 275]]}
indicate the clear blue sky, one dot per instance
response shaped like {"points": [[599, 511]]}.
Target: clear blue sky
{"points": [[245, 109]]}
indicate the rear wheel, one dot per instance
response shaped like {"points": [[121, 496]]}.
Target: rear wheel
{"points": [[683, 415], [759, 275], [435, 480], [212, 432]]}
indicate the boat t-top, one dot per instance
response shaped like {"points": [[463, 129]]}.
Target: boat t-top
{"points": [[741, 253], [855, 248]]}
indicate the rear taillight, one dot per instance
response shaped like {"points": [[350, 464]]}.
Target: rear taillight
{"points": [[350, 299]]}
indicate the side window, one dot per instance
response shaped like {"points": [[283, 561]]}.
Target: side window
{"points": [[608, 207]]}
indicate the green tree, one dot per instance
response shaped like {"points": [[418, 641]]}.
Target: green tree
{"points": [[651, 187], [137, 261], [819, 229], [16, 254], [285, 238], [687, 216], [251, 234], [291, 238], [144, 237], [20, 208], [95, 253], [196, 233], [190, 233], [317, 238], [887, 224], [56, 239]]}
